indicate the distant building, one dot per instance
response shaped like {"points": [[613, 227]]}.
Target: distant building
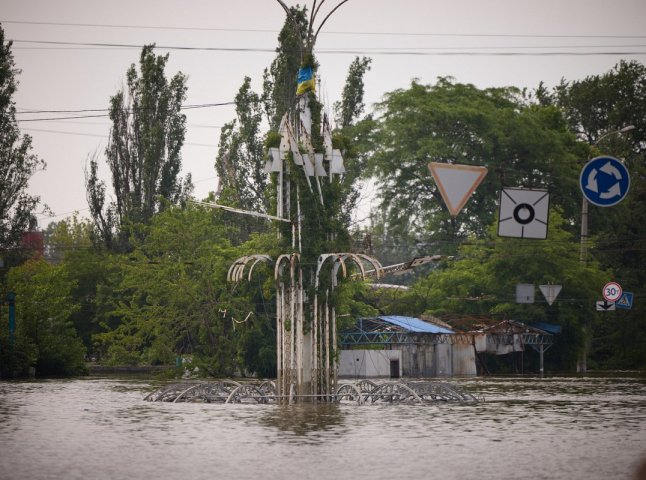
{"points": [[397, 346], [33, 242], [410, 347]]}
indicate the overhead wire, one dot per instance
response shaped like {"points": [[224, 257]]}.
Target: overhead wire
{"points": [[101, 115], [327, 32], [443, 52], [387, 50]]}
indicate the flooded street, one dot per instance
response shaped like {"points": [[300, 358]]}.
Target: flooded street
{"points": [[585, 427]]}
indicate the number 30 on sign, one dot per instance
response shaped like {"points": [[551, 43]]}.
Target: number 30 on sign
{"points": [[612, 291]]}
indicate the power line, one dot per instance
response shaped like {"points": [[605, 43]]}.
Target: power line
{"points": [[87, 110], [159, 47], [101, 115], [259, 30], [62, 118], [443, 52], [105, 137]]}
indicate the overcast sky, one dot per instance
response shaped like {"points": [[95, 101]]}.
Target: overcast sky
{"points": [[488, 43]]}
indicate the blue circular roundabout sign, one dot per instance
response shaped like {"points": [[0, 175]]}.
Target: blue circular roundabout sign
{"points": [[604, 181]]}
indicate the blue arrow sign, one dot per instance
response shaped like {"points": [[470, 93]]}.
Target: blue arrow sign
{"points": [[604, 181], [626, 301]]}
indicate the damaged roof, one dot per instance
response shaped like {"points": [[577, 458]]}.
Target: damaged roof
{"points": [[413, 324]]}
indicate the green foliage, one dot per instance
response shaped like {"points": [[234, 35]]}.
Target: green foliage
{"points": [[144, 152], [45, 336], [596, 108], [70, 244], [351, 105], [240, 161], [521, 145], [171, 295], [17, 165], [279, 80], [481, 282], [258, 349]]}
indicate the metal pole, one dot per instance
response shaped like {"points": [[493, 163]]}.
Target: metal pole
{"points": [[582, 366], [584, 231]]}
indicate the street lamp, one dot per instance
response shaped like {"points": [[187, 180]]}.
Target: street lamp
{"points": [[582, 364], [584, 203]]}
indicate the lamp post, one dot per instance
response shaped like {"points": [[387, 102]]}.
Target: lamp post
{"points": [[582, 366]]}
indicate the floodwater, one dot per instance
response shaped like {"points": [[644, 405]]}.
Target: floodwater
{"points": [[578, 427]]}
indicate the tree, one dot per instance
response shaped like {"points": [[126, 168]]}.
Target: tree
{"points": [[279, 80], [17, 164], [143, 153], [69, 243], [45, 336], [351, 105], [521, 144], [241, 157], [596, 108], [171, 296]]}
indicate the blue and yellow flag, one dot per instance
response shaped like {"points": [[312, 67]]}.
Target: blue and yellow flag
{"points": [[305, 80]]}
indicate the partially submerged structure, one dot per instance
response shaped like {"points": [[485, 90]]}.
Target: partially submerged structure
{"points": [[364, 392], [397, 346], [509, 337], [410, 347]]}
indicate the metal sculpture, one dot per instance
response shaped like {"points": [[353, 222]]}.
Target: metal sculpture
{"points": [[364, 392], [306, 349]]}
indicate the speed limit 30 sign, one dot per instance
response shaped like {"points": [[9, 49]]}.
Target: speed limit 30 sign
{"points": [[612, 291]]}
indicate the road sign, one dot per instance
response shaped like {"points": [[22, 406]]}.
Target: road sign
{"points": [[456, 183], [605, 306], [612, 291], [604, 181], [550, 292], [525, 293], [523, 213], [626, 301]]}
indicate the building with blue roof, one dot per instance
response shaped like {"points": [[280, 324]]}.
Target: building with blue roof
{"points": [[411, 347], [395, 346]]}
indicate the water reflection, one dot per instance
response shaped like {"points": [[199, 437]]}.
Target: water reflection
{"points": [[305, 420], [567, 427]]}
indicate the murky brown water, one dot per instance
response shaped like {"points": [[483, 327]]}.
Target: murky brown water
{"points": [[591, 427]]}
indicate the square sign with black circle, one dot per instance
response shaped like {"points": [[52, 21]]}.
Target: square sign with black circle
{"points": [[523, 213]]}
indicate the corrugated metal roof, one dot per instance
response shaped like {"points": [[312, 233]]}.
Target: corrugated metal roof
{"points": [[413, 324], [547, 327]]}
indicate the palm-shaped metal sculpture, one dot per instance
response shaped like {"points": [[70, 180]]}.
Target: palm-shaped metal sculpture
{"points": [[305, 349]]}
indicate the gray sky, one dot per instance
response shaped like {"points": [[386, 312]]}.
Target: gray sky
{"points": [[487, 43]]}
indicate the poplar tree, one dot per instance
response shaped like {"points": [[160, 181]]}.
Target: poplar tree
{"points": [[143, 153]]}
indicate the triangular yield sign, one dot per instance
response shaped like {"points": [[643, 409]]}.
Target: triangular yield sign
{"points": [[550, 292], [456, 183]]}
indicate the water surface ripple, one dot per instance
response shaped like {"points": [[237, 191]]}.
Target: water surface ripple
{"points": [[578, 427]]}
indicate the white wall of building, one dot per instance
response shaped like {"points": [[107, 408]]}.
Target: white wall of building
{"points": [[368, 363]]}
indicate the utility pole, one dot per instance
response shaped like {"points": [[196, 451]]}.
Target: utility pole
{"points": [[582, 364]]}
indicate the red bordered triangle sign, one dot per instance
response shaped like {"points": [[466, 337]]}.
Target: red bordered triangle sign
{"points": [[456, 183]]}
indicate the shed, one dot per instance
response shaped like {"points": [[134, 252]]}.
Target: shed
{"points": [[410, 347], [510, 336]]}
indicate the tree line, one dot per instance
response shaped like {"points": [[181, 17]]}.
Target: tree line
{"points": [[143, 281]]}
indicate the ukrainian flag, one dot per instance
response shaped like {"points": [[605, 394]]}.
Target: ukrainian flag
{"points": [[305, 80]]}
